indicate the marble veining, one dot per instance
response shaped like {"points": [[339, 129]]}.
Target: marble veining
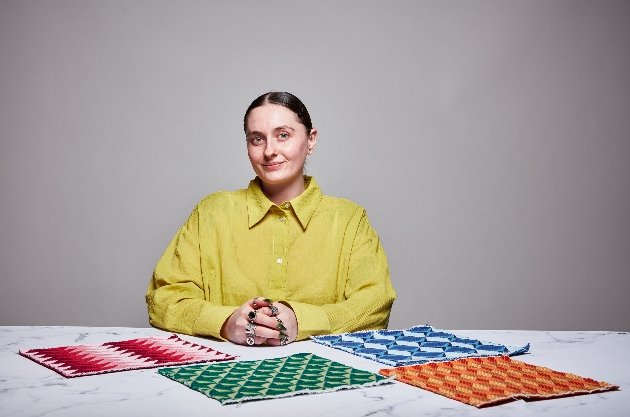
{"points": [[29, 389]]}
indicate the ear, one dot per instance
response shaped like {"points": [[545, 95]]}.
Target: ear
{"points": [[312, 141]]}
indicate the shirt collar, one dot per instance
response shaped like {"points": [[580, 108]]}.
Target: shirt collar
{"points": [[303, 205]]}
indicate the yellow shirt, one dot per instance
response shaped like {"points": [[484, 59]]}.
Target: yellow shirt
{"points": [[316, 253]]}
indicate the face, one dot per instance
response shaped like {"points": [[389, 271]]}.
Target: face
{"points": [[277, 144]]}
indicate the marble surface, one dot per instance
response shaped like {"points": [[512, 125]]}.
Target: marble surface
{"points": [[29, 389]]}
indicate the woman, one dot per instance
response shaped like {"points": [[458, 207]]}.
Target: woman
{"points": [[278, 239]]}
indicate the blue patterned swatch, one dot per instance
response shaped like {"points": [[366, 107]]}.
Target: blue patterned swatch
{"points": [[412, 346]]}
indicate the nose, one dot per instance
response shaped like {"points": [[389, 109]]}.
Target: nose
{"points": [[271, 149]]}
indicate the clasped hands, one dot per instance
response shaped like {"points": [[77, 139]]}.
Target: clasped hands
{"points": [[259, 321]]}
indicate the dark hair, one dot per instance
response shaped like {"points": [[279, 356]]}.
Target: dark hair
{"points": [[284, 99]]}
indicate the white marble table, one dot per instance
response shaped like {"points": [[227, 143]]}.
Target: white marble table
{"points": [[28, 389]]}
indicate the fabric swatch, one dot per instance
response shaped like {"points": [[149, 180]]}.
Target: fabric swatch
{"points": [[302, 373], [150, 352], [416, 345], [489, 380]]}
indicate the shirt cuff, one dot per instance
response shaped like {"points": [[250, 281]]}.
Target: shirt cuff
{"points": [[312, 320], [211, 319]]}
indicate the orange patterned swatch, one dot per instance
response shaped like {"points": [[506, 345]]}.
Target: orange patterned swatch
{"points": [[489, 380]]}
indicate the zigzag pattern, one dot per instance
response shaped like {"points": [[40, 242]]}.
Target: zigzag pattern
{"points": [[415, 345], [303, 373], [485, 381], [150, 352]]}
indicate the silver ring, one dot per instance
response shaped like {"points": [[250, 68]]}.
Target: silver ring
{"points": [[254, 302], [274, 310], [252, 316], [284, 342], [280, 324], [250, 332]]}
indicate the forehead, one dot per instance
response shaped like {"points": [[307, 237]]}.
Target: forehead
{"points": [[271, 116]]}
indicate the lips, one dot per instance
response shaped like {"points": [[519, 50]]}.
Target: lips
{"points": [[270, 166]]}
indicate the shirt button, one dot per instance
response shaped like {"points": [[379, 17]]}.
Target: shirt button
{"points": [[286, 205], [279, 260], [281, 219]]}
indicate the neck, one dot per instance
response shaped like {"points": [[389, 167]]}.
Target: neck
{"points": [[279, 193]]}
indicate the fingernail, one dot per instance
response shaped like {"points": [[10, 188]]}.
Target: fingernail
{"points": [[281, 326], [268, 301], [283, 336]]}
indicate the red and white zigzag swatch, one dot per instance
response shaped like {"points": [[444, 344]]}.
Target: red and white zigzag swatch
{"points": [[149, 352]]}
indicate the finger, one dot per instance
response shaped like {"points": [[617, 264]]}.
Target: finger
{"points": [[269, 312], [267, 333], [273, 342], [263, 302], [249, 331], [255, 303], [257, 341], [252, 316], [260, 329], [270, 322], [281, 340]]}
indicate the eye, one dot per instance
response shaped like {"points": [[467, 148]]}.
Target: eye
{"points": [[256, 140], [283, 135]]}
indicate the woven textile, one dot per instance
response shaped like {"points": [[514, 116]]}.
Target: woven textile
{"points": [[484, 381], [302, 373], [150, 352], [415, 345]]}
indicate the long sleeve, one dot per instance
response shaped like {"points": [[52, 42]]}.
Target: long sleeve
{"points": [[368, 293], [317, 254], [175, 299]]}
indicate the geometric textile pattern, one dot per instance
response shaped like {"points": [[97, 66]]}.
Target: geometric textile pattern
{"points": [[149, 352], [489, 380], [420, 344], [302, 373]]}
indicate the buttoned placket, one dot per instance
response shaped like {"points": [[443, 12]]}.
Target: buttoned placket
{"points": [[279, 262]]}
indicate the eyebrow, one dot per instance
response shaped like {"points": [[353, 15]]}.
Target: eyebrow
{"points": [[284, 128], [255, 132]]}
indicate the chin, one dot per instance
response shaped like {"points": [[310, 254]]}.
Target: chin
{"points": [[273, 180], [277, 178]]}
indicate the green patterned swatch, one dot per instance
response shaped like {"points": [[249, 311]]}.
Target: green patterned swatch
{"points": [[302, 373]]}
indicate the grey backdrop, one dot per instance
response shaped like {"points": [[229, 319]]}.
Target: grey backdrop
{"points": [[489, 142]]}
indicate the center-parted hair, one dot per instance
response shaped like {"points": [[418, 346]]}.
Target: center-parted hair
{"points": [[284, 99]]}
